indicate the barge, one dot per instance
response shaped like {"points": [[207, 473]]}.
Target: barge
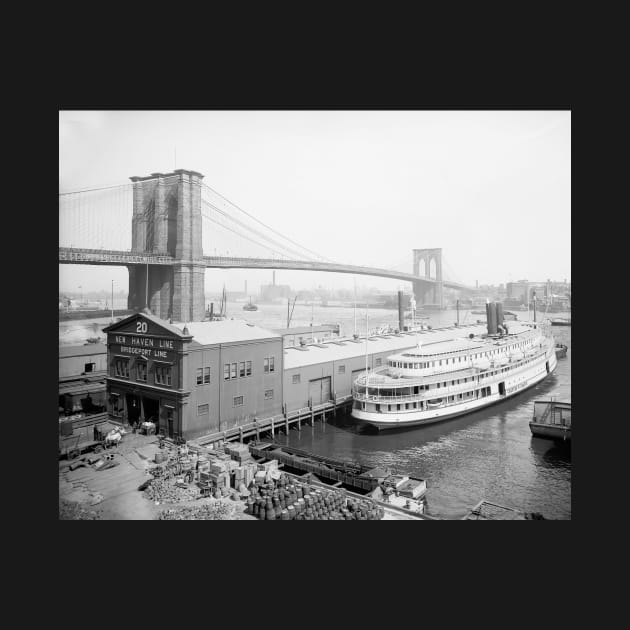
{"points": [[402, 491], [551, 419]]}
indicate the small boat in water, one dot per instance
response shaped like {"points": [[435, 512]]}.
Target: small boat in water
{"points": [[551, 419], [560, 321], [489, 511], [561, 351], [250, 306]]}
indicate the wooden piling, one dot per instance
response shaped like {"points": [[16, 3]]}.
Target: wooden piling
{"points": [[299, 424], [257, 432], [272, 431]]}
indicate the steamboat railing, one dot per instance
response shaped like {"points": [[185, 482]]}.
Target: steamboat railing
{"points": [[440, 392]]}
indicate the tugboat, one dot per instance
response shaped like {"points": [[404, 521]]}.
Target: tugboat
{"points": [[250, 306]]}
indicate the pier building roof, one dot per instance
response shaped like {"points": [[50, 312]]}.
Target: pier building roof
{"points": [[225, 331], [337, 350], [84, 350]]}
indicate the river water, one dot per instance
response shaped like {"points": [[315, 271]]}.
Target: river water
{"points": [[489, 454]]}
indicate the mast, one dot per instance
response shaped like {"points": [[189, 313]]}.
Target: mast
{"points": [[355, 305], [367, 334]]}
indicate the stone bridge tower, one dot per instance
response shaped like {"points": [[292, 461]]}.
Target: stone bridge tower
{"points": [[167, 221], [428, 292]]}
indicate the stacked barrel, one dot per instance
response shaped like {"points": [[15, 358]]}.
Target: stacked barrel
{"points": [[288, 500]]}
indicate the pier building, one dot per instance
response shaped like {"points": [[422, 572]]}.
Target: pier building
{"points": [[221, 380]]}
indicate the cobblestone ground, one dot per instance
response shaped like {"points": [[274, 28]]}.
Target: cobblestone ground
{"points": [[87, 493]]}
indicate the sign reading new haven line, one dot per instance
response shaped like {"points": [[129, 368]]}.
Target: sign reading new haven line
{"points": [[145, 346]]}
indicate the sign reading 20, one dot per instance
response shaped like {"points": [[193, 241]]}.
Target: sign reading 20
{"points": [[141, 327]]}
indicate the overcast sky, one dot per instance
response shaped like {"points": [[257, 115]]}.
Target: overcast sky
{"points": [[491, 188]]}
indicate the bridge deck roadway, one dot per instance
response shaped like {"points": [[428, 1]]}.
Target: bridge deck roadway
{"points": [[68, 255]]}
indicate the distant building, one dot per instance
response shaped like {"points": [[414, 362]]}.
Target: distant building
{"points": [[271, 292], [518, 291]]}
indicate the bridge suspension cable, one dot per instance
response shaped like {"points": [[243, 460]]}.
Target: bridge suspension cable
{"points": [[225, 227], [290, 240], [254, 231], [84, 190]]}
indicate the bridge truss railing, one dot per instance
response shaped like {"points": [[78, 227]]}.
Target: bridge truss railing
{"points": [[111, 256]]}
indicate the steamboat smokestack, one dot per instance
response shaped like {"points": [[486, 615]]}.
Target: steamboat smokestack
{"points": [[491, 318], [401, 319], [499, 308]]}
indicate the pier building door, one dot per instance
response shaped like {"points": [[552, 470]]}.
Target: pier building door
{"points": [[151, 409], [133, 409], [167, 420], [319, 390]]}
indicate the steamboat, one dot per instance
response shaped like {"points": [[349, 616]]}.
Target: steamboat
{"points": [[448, 377]]}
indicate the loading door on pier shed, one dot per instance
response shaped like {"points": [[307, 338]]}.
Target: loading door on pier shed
{"points": [[319, 390]]}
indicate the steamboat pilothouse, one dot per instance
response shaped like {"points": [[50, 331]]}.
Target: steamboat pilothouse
{"points": [[455, 371]]}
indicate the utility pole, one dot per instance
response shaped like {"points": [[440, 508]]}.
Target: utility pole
{"points": [[112, 301], [147, 287]]}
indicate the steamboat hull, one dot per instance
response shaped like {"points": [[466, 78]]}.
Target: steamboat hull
{"points": [[418, 418]]}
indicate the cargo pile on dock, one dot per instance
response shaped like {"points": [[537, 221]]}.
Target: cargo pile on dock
{"points": [[168, 491], [216, 511], [282, 499], [183, 476]]}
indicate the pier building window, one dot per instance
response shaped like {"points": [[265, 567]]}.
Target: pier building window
{"points": [[248, 368], [233, 370], [226, 371], [296, 379], [241, 369], [203, 409], [163, 375], [89, 367], [203, 375], [377, 362], [238, 401], [268, 394], [121, 368], [266, 365], [269, 364], [141, 371], [342, 369], [117, 405]]}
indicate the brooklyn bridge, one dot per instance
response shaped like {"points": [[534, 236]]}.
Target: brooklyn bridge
{"points": [[165, 259]]}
